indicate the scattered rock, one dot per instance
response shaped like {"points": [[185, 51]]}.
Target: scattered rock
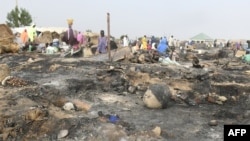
{"points": [[131, 89], [213, 123], [69, 106], [157, 130], [219, 102], [222, 98], [62, 134], [111, 67], [133, 69], [214, 98], [124, 93], [186, 83], [30, 60], [234, 98]]}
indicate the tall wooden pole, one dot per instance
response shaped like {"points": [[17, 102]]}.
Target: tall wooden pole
{"points": [[16, 3], [108, 26]]}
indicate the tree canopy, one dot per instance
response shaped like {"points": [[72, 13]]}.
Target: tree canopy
{"points": [[18, 18]]}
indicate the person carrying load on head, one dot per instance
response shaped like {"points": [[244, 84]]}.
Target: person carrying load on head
{"points": [[70, 36]]}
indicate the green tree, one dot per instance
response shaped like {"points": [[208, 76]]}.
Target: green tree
{"points": [[18, 17]]}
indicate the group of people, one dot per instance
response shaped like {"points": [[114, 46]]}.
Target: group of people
{"points": [[165, 47], [27, 37], [76, 40]]}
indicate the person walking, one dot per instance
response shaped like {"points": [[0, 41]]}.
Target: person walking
{"points": [[24, 37], [144, 42], [171, 43], [32, 34], [125, 41], [102, 43], [163, 46]]}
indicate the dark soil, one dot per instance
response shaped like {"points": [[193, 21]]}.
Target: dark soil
{"points": [[50, 81]]}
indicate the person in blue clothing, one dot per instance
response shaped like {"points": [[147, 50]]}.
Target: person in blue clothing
{"points": [[102, 43], [162, 47], [153, 40]]}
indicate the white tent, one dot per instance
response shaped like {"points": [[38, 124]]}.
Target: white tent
{"points": [[41, 29]]}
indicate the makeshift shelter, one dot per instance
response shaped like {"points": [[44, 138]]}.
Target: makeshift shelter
{"points": [[202, 37], [6, 35], [59, 30], [45, 37], [7, 44]]}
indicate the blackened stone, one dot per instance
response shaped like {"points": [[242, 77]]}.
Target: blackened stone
{"points": [[157, 96]]}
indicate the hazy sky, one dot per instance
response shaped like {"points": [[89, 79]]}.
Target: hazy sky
{"points": [[182, 18]]}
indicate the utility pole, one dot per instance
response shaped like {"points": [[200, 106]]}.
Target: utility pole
{"points": [[16, 3], [108, 26]]}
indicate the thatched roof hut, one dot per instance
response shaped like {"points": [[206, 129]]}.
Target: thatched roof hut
{"points": [[6, 34]]}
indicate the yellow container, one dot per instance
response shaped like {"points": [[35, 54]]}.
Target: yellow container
{"points": [[70, 21]]}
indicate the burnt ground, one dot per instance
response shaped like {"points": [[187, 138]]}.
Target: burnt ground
{"points": [[32, 106]]}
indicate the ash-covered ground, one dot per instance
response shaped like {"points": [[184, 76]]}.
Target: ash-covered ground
{"points": [[52, 98]]}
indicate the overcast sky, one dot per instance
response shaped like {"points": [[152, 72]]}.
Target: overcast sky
{"points": [[228, 19]]}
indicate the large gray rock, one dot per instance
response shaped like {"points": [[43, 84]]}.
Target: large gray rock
{"points": [[4, 71], [157, 96]]}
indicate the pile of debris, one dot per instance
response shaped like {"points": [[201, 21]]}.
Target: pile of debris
{"points": [[144, 56], [6, 40]]}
